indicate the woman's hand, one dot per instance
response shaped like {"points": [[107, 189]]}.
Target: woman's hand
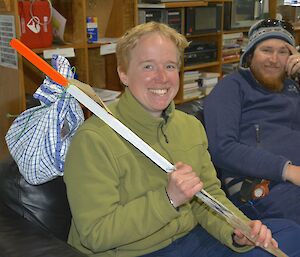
{"points": [[260, 235], [183, 184]]}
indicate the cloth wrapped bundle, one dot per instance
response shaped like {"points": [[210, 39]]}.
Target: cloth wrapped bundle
{"points": [[39, 137]]}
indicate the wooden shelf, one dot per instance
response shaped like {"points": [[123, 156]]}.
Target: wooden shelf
{"points": [[201, 66], [70, 45], [233, 60], [95, 45], [174, 4], [244, 30], [114, 18], [203, 35]]}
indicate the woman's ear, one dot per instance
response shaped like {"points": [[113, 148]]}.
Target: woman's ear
{"points": [[123, 76]]}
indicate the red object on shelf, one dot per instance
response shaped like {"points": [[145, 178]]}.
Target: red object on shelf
{"points": [[35, 21]]}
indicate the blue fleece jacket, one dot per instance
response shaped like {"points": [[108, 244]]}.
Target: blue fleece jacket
{"points": [[251, 131]]}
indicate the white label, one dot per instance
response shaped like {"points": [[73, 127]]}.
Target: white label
{"points": [[8, 56], [108, 49], [66, 52]]}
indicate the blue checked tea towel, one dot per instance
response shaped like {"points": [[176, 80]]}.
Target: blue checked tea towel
{"points": [[39, 137]]}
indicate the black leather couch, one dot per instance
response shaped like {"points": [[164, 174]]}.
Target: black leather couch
{"points": [[34, 220], [194, 108]]}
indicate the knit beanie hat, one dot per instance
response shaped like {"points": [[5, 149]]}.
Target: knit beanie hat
{"points": [[267, 29]]}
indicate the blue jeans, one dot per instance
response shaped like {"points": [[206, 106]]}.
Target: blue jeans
{"points": [[198, 243], [283, 201]]}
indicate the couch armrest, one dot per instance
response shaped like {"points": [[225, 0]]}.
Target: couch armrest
{"points": [[20, 237]]}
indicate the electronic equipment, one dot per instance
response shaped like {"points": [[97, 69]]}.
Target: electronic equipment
{"points": [[169, 16], [244, 13], [253, 189], [203, 19], [200, 52]]}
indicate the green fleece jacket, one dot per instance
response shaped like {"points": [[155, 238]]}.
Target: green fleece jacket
{"points": [[117, 195]]}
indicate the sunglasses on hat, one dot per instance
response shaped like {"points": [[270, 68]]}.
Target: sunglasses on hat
{"points": [[273, 23]]}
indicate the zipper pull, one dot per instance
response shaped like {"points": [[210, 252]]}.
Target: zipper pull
{"points": [[257, 134]]}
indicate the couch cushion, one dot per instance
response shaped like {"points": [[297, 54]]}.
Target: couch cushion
{"points": [[20, 237], [45, 204], [194, 108]]}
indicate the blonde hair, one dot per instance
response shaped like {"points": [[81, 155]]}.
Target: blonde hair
{"points": [[130, 39]]}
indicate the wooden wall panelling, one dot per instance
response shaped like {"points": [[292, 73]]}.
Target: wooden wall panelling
{"points": [[5, 5], [116, 27], [96, 9], [80, 62], [116, 23], [112, 79], [97, 66], [75, 12], [12, 101], [33, 77], [113, 21], [97, 63]]}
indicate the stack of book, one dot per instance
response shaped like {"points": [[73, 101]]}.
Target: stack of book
{"points": [[229, 68], [197, 84], [207, 81], [232, 44], [191, 85], [231, 54]]}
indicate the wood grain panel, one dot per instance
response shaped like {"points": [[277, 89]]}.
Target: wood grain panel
{"points": [[12, 102], [5, 5]]}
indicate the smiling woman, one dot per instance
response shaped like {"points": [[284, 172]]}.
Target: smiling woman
{"points": [[150, 66], [153, 73], [117, 179]]}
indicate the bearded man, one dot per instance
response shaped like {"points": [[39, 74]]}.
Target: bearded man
{"points": [[252, 120]]}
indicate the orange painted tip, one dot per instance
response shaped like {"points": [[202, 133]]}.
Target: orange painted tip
{"points": [[38, 62]]}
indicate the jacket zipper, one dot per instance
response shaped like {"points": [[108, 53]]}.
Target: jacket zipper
{"points": [[165, 136], [257, 134]]}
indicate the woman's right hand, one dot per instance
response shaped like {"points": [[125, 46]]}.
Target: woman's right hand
{"points": [[183, 184], [261, 234]]}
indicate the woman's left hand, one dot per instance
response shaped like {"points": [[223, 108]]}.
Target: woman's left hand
{"points": [[260, 235]]}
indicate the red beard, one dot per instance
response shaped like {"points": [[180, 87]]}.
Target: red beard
{"points": [[271, 83]]}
